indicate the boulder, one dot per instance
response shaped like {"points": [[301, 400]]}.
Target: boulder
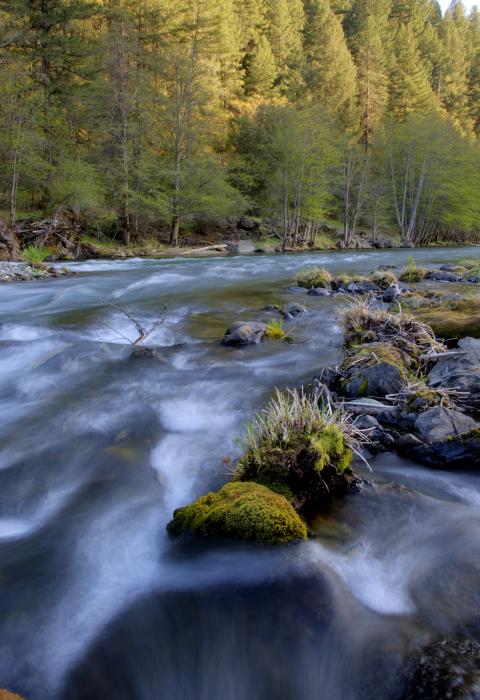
{"points": [[443, 276], [378, 380], [439, 423], [449, 669], [241, 247], [460, 372], [244, 333], [7, 695], [241, 510], [293, 309], [391, 293], [317, 291]]}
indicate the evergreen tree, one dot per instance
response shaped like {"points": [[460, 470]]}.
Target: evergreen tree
{"points": [[454, 87], [260, 71], [330, 73], [410, 90]]}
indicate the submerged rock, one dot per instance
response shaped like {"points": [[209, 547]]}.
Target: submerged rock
{"points": [[318, 291], [244, 333], [446, 669], [145, 353], [246, 511], [293, 309]]}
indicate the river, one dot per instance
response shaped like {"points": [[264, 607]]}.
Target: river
{"points": [[97, 450]]}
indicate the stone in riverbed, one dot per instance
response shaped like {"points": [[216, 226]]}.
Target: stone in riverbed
{"points": [[241, 510], [145, 353], [293, 309], [440, 423], [379, 380], [318, 292], [460, 372], [392, 293], [244, 333], [446, 669]]}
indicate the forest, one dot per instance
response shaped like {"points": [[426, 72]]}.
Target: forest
{"points": [[160, 117]]}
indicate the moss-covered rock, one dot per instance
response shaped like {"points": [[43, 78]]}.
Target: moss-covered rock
{"points": [[7, 695], [313, 277], [246, 511]]}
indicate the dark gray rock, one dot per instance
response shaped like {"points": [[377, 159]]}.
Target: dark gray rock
{"points": [[408, 442], [292, 309], [443, 276], [449, 669], [392, 293], [146, 353], [244, 333], [439, 423], [378, 381], [303, 290], [460, 372], [319, 292]]}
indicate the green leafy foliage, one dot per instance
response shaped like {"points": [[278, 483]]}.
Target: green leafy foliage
{"points": [[35, 255]]}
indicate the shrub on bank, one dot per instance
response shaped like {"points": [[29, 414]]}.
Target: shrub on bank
{"points": [[313, 277]]}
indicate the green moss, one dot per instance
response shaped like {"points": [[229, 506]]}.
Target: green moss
{"points": [[275, 331], [313, 277], [455, 320], [362, 389], [330, 449], [371, 354], [241, 510]]}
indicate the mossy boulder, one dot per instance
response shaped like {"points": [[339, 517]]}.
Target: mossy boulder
{"points": [[314, 277], [7, 695], [245, 511], [308, 469]]}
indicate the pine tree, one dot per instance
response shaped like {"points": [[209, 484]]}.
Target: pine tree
{"points": [[410, 90], [454, 88], [261, 71], [330, 72], [474, 69]]}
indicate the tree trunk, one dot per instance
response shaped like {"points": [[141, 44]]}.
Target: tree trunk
{"points": [[175, 230]]}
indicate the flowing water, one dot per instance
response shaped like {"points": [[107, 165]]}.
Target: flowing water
{"points": [[97, 450]]}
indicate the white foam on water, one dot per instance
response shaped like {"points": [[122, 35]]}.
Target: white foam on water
{"points": [[379, 583]]}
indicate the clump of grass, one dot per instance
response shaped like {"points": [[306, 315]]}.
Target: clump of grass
{"points": [[383, 278], [313, 277], [412, 273], [363, 324], [275, 330], [346, 278], [34, 255], [291, 419]]}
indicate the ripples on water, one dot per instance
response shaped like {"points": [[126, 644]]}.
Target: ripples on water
{"points": [[97, 450]]}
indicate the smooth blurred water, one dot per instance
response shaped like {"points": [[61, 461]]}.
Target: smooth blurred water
{"points": [[97, 450]]}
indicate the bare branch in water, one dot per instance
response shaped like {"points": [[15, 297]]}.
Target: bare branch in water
{"points": [[142, 331]]}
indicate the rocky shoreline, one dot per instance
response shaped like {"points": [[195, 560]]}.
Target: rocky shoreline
{"points": [[24, 272]]}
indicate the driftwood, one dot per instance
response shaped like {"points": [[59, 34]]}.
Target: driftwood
{"points": [[60, 231], [142, 331], [219, 246]]}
